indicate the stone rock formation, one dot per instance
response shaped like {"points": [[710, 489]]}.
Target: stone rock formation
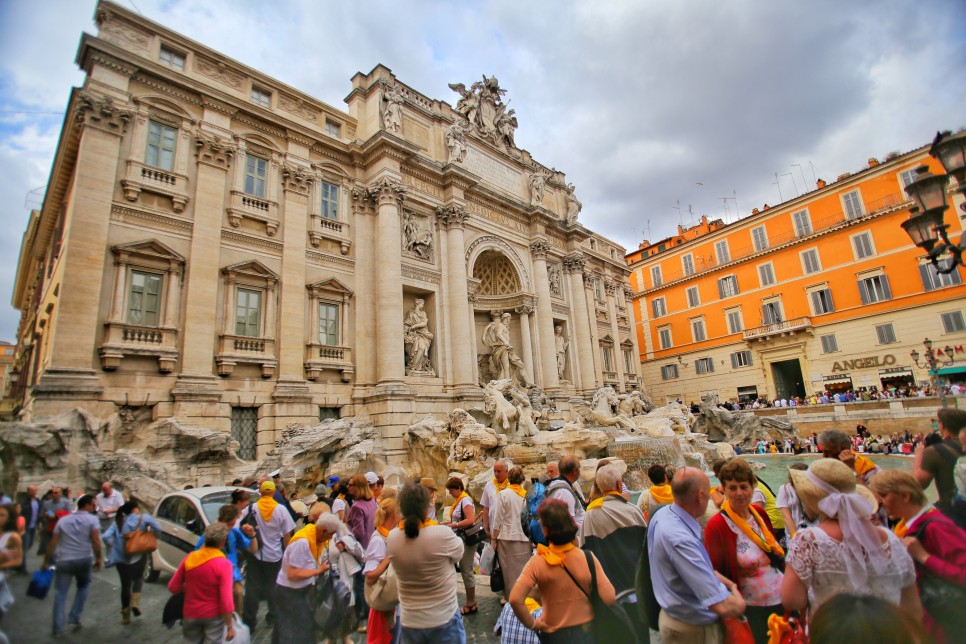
{"points": [[739, 428]]}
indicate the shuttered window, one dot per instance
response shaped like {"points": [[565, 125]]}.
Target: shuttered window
{"points": [[829, 343], [874, 289], [728, 286], [933, 279], [885, 334], [821, 301], [741, 359], [852, 201]]}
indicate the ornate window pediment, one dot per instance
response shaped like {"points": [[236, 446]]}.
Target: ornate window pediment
{"points": [[327, 347], [160, 145], [248, 203], [249, 311]]}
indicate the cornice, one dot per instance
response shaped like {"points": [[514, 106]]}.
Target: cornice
{"points": [[154, 82], [251, 240], [260, 124], [318, 258]]}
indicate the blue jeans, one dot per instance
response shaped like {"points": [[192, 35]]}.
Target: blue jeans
{"points": [[451, 632], [80, 569]]}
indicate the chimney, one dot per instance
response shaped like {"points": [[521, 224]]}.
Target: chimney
{"points": [[820, 184], [765, 207], [755, 211], [873, 162]]}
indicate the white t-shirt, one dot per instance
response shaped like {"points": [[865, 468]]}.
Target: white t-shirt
{"points": [[375, 553], [271, 533], [488, 498], [109, 503], [788, 498], [297, 555], [338, 505], [575, 508]]}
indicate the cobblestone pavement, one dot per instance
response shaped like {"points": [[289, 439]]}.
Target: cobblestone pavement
{"points": [[29, 620]]}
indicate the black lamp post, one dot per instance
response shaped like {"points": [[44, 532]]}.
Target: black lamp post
{"points": [[925, 225], [933, 363]]}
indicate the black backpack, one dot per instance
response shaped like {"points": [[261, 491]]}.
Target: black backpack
{"points": [[251, 520], [611, 623]]}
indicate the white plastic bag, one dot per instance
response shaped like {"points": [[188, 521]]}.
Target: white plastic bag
{"points": [[486, 559], [242, 634]]}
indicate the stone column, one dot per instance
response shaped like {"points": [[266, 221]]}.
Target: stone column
{"points": [[590, 296], [528, 358], [453, 218], [548, 358], [100, 122], [632, 321], [390, 356], [171, 307], [611, 290], [581, 335], [120, 286], [365, 304]]}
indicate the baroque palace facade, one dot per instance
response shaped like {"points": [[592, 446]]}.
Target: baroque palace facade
{"points": [[824, 292], [229, 251]]}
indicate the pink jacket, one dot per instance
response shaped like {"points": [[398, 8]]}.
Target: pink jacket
{"points": [[207, 589]]}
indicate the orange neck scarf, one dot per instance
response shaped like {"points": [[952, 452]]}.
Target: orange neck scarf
{"points": [[599, 501], [765, 541], [266, 505], [500, 486], [553, 554], [202, 556], [452, 510], [518, 489], [662, 494], [308, 533], [863, 465], [383, 532]]}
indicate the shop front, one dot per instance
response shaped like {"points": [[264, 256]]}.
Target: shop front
{"points": [[896, 378], [838, 383]]}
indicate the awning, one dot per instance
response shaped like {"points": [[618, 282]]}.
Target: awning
{"points": [[895, 373], [949, 370], [840, 378]]}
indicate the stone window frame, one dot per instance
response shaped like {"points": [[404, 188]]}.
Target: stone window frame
{"points": [[856, 245], [139, 176], [248, 206], [802, 223], [736, 310], [124, 339], [260, 96], [669, 371], [233, 348], [771, 274], [698, 324], [608, 366], [950, 320], [808, 257], [320, 357], [686, 264], [852, 204], [815, 297], [333, 128], [655, 314], [339, 229], [660, 337], [177, 59], [696, 300], [775, 305], [722, 251], [657, 277], [759, 238], [830, 343]]}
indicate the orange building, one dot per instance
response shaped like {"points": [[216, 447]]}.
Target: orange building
{"points": [[823, 292]]}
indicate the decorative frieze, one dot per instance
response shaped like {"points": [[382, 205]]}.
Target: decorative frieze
{"points": [[420, 274], [219, 72], [298, 107], [102, 113], [318, 258]]}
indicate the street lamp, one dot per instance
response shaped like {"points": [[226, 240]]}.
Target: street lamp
{"points": [[933, 362], [925, 225]]}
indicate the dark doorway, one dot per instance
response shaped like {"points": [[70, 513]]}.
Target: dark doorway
{"points": [[788, 379]]}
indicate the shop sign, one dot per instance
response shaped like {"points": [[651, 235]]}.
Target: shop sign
{"points": [[902, 370], [865, 363], [957, 349]]}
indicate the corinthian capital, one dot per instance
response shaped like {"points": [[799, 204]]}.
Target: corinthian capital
{"points": [[452, 216], [296, 178], [388, 190], [102, 112], [574, 262], [611, 287], [214, 150], [362, 199], [540, 248]]}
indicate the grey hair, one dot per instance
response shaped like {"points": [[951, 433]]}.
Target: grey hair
{"points": [[834, 438], [215, 535], [608, 478], [331, 524]]}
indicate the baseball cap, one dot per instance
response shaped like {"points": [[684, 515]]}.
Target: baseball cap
{"points": [[372, 477], [267, 486]]}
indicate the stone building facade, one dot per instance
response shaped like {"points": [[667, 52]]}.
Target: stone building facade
{"points": [[225, 249]]}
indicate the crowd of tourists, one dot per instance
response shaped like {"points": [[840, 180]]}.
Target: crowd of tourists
{"points": [[843, 551], [825, 397]]}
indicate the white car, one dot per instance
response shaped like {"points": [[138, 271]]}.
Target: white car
{"points": [[183, 516]]}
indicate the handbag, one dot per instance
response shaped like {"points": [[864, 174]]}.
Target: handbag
{"points": [[787, 629], [472, 535], [384, 594], [942, 599], [140, 542], [611, 623], [737, 630], [497, 584], [40, 583]]}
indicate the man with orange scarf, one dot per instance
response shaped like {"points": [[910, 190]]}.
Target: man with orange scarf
{"points": [[658, 495], [836, 444], [205, 578], [275, 527], [300, 567]]}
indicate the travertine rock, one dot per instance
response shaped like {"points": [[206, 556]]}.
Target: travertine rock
{"points": [[739, 428]]}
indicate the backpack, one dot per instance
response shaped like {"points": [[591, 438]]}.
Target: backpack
{"points": [[251, 520], [610, 623], [333, 598], [528, 516]]}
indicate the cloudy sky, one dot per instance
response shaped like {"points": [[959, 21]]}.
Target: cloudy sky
{"points": [[656, 110]]}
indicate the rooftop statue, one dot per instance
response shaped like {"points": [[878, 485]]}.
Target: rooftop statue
{"points": [[486, 115]]}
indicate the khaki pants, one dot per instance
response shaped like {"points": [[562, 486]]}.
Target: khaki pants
{"points": [[674, 631]]}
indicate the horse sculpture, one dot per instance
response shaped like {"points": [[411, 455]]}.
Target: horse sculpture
{"points": [[503, 413], [600, 412]]}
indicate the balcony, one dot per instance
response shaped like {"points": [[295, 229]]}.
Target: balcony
{"points": [[245, 206], [331, 229], [145, 178], [778, 329], [123, 340], [239, 349], [322, 357]]}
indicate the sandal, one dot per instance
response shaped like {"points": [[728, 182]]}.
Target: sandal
{"points": [[469, 609]]}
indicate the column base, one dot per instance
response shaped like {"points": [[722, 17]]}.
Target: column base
{"points": [[196, 388], [73, 384]]}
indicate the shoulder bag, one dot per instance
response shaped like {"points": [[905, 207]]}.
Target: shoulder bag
{"points": [[140, 542], [942, 599], [611, 623], [383, 595]]}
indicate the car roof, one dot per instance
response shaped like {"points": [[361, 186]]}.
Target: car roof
{"points": [[200, 492]]}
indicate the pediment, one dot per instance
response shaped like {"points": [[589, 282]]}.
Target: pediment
{"points": [[147, 249], [607, 339], [330, 285], [627, 344], [251, 268]]}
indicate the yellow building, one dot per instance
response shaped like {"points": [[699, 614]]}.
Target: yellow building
{"points": [[824, 292]]}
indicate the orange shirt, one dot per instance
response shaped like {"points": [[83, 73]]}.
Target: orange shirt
{"points": [[563, 603]]}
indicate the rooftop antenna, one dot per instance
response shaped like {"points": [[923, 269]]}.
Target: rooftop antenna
{"points": [[647, 231], [678, 208], [735, 197], [724, 202], [789, 174], [799, 166], [812, 166], [691, 219], [781, 199]]}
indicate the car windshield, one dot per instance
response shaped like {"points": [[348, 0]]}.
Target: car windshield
{"points": [[211, 503]]}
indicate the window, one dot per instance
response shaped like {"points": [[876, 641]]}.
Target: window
{"points": [[144, 299], [766, 274], [741, 359], [598, 290], [821, 300], [810, 261], [874, 289], [248, 312], [694, 299], [244, 429], [953, 322], [328, 413], [628, 361], [885, 334], [862, 245], [656, 279], [703, 365], [608, 358], [852, 202], [328, 324], [593, 244], [829, 343], [697, 330], [330, 200], [658, 307], [333, 128], [802, 223], [255, 171], [933, 279], [669, 371], [687, 263], [906, 177], [613, 253], [261, 97], [171, 58], [735, 323], [664, 337], [161, 146], [721, 251], [771, 312], [759, 236], [728, 286]]}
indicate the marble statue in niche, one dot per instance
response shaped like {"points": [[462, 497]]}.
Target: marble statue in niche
{"points": [[537, 182], [505, 364], [456, 142], [554, 276], [561, 344], [418, 339]]}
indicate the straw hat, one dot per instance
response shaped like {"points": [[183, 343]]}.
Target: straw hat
{"points": [[428, 483], [833, 472]]}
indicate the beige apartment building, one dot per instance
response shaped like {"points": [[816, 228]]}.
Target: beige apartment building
{"points": [[222, 248]]}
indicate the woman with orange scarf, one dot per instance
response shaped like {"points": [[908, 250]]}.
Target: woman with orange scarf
{"points": [[742, 547], [382, 625], [567, 612], [511, 544], [463, 515], [205, 577]]}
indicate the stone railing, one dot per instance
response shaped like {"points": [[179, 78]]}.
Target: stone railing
{"points": [[785, 327], [246, 206], [122, 340], [145, 178], [331, 229], [240, 349], [322, 357]]}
